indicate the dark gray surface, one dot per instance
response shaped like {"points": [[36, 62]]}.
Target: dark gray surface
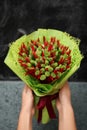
{"points": [[10, 101]]}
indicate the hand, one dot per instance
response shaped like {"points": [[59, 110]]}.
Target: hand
{"points": [[64, 97], [28, 100], [27, 110], [65, 109]]}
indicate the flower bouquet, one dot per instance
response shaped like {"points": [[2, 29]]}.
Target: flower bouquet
{"points": [[44, 60]]}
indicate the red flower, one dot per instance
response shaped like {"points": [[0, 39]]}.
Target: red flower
{"points": [[50, 47], [53, 39], [44, 56]]}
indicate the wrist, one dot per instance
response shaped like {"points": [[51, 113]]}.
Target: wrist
{"points": [[26, 107], [65, 111], [26, 112], [65, 108]]}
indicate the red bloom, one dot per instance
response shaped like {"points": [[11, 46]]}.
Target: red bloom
{"points": [[33, 48], [68, 52], [20, 60], [44, 54], [27, 59], [34, 54], [55, 71], [53, 39], [45, 43], [31, 71], [24, 65], [61, 61], [44, 39], [50, 47]]}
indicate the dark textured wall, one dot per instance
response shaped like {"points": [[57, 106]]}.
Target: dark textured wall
{"points": [[18, 17]]}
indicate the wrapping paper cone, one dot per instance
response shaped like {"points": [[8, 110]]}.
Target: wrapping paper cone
{"points": [[44, 60]]}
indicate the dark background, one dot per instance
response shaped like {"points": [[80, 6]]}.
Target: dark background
{"points": [[18, 17]]}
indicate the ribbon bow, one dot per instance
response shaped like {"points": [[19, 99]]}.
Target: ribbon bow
{"points": [[46, 102]]}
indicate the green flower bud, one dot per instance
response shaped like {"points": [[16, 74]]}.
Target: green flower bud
{"points": [[57, 68], [33, 62], [42, 65], [28, 47], [46, 53], [55, 64], [29, 64], [30, 52], [55, 45], [37, 72], [38, 52], [42, 70], [47, 73], [24, 55], [64, 66], [46, 62], [49, 58], [53, 75], [65, 56], [22, 58], [50, 69], [30, 57], [57, 56], [39, 48], [40, 59], [60, 66], [57, 53], [59, 74], [42, 77], [37, 59]]}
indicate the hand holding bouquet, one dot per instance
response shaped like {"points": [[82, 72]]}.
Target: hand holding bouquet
{"points": [[44, 60]]}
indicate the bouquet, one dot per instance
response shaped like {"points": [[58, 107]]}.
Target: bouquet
{"points": [[44, 60]]}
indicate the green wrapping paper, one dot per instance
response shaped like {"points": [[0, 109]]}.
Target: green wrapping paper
{"points": [[40, 88]]}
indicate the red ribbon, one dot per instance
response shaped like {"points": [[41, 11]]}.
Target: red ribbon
{"points": [[46, 101]]}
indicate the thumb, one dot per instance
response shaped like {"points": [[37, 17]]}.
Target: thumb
{"points": [[58, 103]]}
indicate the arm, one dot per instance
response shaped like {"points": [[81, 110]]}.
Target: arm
{"points": [[27, 110], [64, 107]]}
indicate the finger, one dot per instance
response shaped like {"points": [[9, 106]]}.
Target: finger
{"points": [[57, 103], [33, 110], [25, 88], [29, 90], [64, 86]]}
